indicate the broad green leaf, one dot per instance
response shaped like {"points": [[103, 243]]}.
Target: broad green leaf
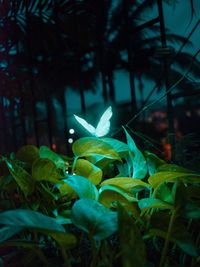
{"points": [[19, 219], [93, 218], [164, 193], [191, 211], [66, 240], [29, 218], [87, 169], [153, 162], [46, 153], [138, 160], [161, 177], [126, 183], [8, 231], [172, 168], [82, 186], [123, 169], [118, 146], [28, 153], [21, 176], [45, 170], [133, 250], [111, 196], [184, 240], [66, 190], [92, 146], [149, 203]]}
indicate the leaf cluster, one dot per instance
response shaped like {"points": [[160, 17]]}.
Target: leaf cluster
{"points": [[109, 205]]}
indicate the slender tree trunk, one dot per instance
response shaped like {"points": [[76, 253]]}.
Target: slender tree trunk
{"points": [[31, 79], [111, 87], [130, 54], [166, 69], [101, 21], [47, 93]]}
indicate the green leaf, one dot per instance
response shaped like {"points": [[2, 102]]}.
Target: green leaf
{"points": [[137, 159], [149, 203], [133, 250], [118, 146], [8, 231], [93, 218], [126, 183], [191, 211], [172, 168], [16, 220], [114, 190], [21, 176], [82, 186], [164, 193], [92, 146], [153, 162], [28, 153], [45, 170], [87, 169], [46, 153], [66, 240], [184, 240], [111, 196], [160, 177]]}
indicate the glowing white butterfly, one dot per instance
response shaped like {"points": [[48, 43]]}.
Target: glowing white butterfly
{"points": [[103, 125]]}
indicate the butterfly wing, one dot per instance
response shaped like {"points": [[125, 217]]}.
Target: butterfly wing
{"points": [[103, 126], [85, 125]]}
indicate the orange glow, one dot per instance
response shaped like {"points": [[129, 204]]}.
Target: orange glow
{"points": [[53, 146]]}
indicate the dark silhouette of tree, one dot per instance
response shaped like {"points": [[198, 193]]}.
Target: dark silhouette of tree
{"points": [[48, 46]]}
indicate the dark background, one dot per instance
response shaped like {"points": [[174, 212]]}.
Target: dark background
{"points": [[62, 57]]}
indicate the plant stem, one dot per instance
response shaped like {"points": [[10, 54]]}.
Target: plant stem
{"points": [[94, 252], [166, 245], [67, 262]]}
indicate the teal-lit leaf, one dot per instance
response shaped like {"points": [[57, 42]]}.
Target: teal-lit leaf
{"points": [[93, 218], [149, 203], [8, 231], [164, 193], [31, 219], [133, 250], [191, 211], [126, 183], [46, 153], [172, 168], [184, 240], [28, 153], [45, 170], [92, 146], [14, 221], [21, 176], [138, 161], [161, 177], [153, 162], [118, 146], [82, 186]]}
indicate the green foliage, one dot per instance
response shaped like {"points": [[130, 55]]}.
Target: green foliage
{"points": [[94, 218], [109, 193]]}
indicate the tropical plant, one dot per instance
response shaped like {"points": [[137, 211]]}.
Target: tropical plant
{"points": [[109, 205]]}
